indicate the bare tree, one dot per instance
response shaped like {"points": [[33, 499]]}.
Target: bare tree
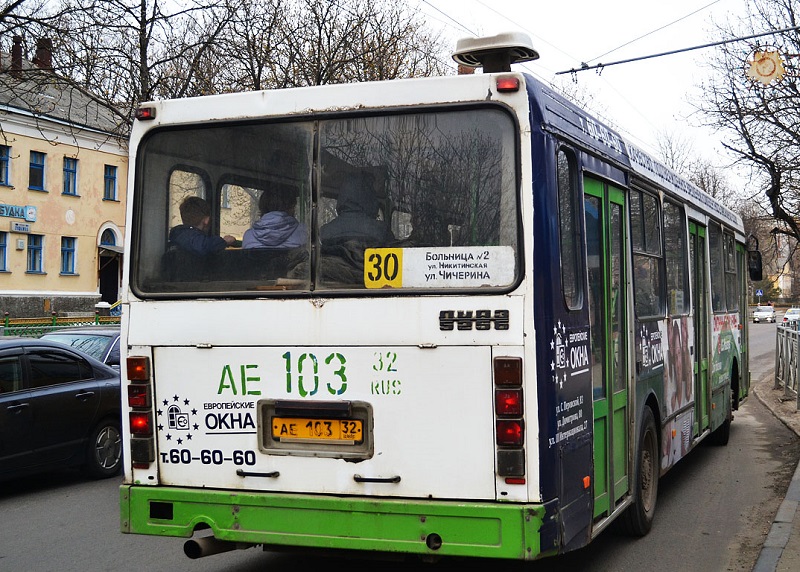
{"points": [[675, 150], [278, 43], [123, 52], [761, 119]]}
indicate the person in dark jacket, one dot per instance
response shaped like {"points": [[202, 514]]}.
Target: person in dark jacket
{"points": [[192, 235], [277, 227], [357, 211]]}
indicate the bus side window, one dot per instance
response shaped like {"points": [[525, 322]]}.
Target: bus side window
{"points": [[647, 255], [716, 261], [675, 258], [569, 239], [731, 283]]}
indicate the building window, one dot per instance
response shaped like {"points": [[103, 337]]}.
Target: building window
{"points": [[226, 197], [35, 259], [108, 238], [5, 161], [68, 255], [3, 251], [110, 183], [70, 176], [36, 173]]}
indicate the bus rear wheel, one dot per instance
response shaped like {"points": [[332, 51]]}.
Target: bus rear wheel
{"points": [[638, 518], [721, 435]]}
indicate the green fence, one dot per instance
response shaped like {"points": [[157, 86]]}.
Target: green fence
{"points": [[35, 327]]}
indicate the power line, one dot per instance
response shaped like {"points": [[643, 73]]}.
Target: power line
{"points": [[656, 30], [585, 66], [449, 17]]}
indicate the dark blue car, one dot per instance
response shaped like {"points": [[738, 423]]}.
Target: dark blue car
{"points": [[58, 408]]}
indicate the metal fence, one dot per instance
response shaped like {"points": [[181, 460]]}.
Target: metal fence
{"points": [[35, 327], [787, 362]]}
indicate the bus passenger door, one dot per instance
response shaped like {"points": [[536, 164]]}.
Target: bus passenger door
{"points": [[605, 248], [697, 254]]}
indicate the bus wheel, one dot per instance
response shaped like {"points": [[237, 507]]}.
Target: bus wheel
{"points": [[638, 518], [722, 434]]}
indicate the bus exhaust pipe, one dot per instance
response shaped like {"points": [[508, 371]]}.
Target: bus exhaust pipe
{"points": [[196, 548]]}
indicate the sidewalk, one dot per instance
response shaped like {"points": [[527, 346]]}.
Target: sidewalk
{"points": [[781, 550]]}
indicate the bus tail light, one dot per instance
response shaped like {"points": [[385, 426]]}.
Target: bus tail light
{"points": [[508, 402], [507, 83], [138, 368], [145, 113], [509, 421], [139, 396], [508, 372], [141, 423], [140, 400], [510, 432]]}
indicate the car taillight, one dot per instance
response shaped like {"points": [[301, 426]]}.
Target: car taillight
{"points": [[509, 422]]}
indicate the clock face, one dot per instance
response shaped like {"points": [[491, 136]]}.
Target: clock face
{"points": [[30, 214]]}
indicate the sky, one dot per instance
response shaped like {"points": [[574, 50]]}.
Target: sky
{"points": [[643, 99]]}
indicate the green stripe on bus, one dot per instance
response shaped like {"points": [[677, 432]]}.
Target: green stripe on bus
{"points": [[489, 530]]}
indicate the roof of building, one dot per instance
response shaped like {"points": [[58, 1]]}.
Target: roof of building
{"points": [[45, 94]]}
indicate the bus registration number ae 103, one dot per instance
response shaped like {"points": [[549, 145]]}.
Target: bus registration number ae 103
{"points": [[340, 431]]}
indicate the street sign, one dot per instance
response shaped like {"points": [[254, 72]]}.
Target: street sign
{"points": [[759, 292]]}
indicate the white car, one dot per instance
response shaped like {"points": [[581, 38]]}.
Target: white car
{"points": [[764, 314], [791, 316]]}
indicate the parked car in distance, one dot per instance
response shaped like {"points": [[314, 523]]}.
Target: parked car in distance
{"points": [[791, 316], [100, 342], [58, 408], [764, 314]]}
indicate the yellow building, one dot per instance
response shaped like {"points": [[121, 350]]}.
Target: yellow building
{"points": [[63, 176]]}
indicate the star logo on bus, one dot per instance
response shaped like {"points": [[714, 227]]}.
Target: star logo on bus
{"points": [[178, 419]]}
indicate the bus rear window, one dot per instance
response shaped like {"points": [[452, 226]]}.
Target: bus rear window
{"points": [[412, 201]]}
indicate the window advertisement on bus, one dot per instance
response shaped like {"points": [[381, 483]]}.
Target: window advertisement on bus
{"points": [[414, 201]]}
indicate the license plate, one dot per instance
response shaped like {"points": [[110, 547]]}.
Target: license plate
{"points": [[303, 429]]}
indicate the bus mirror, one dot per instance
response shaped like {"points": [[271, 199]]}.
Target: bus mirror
{"points": [[754, 265]]}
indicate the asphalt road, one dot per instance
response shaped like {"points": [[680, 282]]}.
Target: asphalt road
{"points": [[714, 510]]}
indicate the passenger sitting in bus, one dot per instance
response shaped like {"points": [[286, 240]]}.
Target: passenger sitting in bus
{"points": [[357, 211], [192, 235], [277, 227]]}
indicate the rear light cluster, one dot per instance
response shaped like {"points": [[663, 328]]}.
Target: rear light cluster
{"points": [[509, 422], [140, 400]]}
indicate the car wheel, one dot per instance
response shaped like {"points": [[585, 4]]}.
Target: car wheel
{"points": [[104, 450]]}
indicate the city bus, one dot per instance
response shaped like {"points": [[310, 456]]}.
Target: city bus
{"points": [[503, 323]]}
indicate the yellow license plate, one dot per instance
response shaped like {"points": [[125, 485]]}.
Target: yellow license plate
{"points": [[306, 429]]}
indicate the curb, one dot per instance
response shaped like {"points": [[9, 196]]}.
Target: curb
{"points": [[783, 523]]}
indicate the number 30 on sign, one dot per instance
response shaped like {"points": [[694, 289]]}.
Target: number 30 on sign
{"points": [[383, 267]]}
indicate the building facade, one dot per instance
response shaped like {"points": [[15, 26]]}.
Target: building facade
{"points": [[63, 176]]}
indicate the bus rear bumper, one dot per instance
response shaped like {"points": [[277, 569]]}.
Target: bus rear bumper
{"points": [[429, 528]]}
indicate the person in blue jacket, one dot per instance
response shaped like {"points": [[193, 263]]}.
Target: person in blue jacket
{"points": [[277, 227], [192, 236]]}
